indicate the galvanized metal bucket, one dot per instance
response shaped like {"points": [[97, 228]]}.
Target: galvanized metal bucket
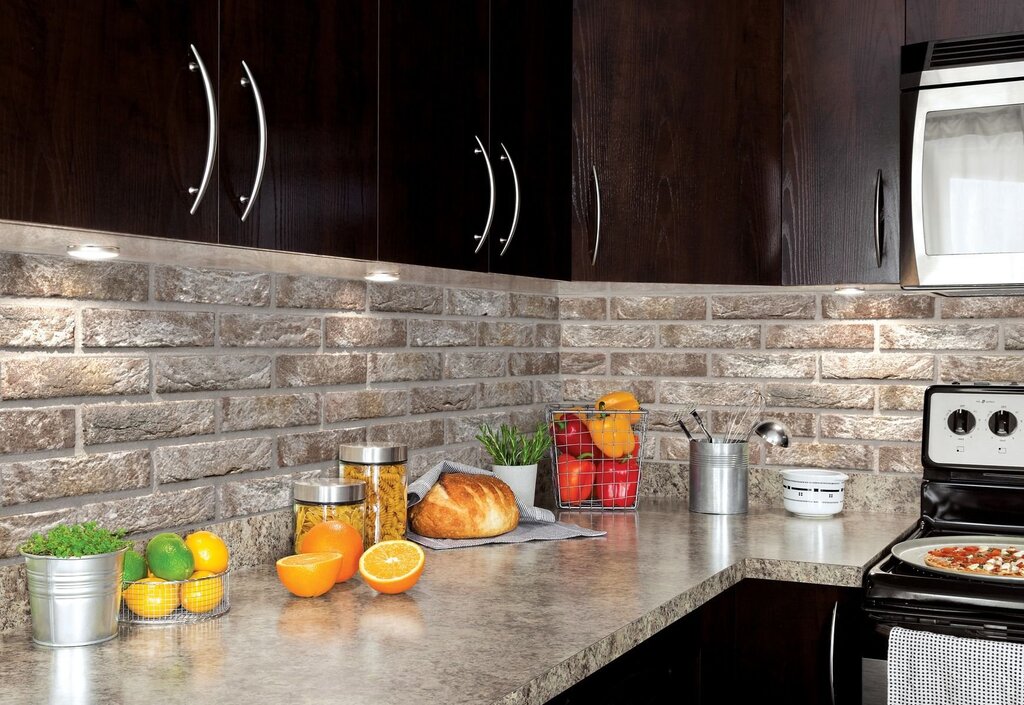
{"points": [[74, 601], [718, 476]]}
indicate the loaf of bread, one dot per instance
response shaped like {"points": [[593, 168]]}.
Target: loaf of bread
{"points": [[465, 507]]}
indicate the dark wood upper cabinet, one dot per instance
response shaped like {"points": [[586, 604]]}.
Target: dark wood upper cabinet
{"points": [[675, 124], [102, 124], [929, 20], [840, 129], [314, 65], [435, 187], [530, 89]]}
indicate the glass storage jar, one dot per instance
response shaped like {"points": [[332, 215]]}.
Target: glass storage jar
{"points": [[382, 468], [324, 499]]}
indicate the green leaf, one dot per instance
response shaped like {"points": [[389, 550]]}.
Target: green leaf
{"points": [[509, 446], [86, 539]]}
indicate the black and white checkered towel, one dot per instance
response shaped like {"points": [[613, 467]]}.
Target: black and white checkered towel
{"points": [[936, 669], [535, 523]]}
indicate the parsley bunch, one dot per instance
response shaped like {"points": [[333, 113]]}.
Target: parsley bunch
{"points": [[84, 539]]}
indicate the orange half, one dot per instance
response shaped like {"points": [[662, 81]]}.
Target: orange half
{"points": [[392, 566], [309, 574]]}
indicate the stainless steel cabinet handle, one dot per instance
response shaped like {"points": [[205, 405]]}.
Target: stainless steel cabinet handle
{"points": [[515, 214], [597, 197], [211, 140], [832, 653], [482, 238], [250, 200], [879, 219]]}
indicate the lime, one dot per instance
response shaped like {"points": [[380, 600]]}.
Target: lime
{"points": [[169, 558], [134, 567]]}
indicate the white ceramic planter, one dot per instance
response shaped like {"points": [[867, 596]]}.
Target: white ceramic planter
{"points": [[521, 478]]}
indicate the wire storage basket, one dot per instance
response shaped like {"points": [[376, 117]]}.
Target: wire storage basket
{"points": [[176, 601], [596, 458]]}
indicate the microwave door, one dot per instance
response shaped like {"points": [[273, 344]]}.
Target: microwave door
{"points": [[967, 185]]}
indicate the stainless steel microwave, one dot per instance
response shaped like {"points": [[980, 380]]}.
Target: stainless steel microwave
{"points": [[962, 166]]}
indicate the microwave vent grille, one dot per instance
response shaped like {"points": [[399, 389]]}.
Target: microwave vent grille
{"points": [[981, 50]]}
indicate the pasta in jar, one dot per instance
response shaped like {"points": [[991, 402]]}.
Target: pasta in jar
{"points": [[385, 483], [321, 500]]}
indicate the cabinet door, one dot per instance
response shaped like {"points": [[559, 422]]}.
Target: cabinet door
{"points": [[531, 61], [435, 186], [314, 65], [840, 128], [102, 124], [929, 20], [675, 120]]}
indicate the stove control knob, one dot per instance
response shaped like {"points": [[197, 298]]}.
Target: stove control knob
{"points": [[1002, 423], [961, 422]]}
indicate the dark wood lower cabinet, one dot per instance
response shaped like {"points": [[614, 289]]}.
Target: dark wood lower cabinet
{"points": [[760, 641]]}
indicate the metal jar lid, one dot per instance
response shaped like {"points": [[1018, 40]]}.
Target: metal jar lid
{"points": [[370, 454], [325, 490]]}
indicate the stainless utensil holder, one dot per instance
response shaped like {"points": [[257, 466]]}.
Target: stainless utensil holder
{"points": [[718, 476]]}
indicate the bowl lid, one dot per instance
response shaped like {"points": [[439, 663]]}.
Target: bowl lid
{"points": [[815, 474]]}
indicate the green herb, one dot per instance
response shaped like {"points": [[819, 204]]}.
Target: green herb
{"points": [[85, 539], [508, 446]]}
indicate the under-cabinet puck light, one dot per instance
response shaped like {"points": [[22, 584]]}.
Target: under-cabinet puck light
{"points": [[93, 253], [382, 276], [849, 290]]}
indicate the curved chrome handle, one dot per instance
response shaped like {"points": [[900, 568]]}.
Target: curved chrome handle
{"points": [[515, 214], [482, 238], [832, 653], [879, 221], [250, 200], [211, 140], [597, 196]]}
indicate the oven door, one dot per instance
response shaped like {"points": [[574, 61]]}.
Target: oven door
{"points": [[962, 196]]}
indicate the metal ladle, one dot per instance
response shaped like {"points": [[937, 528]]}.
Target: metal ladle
{"points": [[772, 432]]}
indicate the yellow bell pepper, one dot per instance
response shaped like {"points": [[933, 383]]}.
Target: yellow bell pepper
{"points": [[620, 401], [612, 434]]}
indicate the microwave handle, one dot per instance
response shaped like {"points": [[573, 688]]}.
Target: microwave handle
{"points": [[879, 219]]}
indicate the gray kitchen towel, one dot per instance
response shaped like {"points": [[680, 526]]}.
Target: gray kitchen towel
{"points": [[535, 523]]}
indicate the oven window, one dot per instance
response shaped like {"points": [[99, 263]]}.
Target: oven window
{"points": [[973, 181]]}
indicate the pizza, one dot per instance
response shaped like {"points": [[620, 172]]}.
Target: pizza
{"points": [[1004, 561]]}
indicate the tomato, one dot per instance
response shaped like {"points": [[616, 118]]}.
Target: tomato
{"points": [[571, 435], [575, 478]]}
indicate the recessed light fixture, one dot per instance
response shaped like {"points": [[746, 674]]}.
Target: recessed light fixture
{"points": [[93, 253], [849, 290], [382, 275]]}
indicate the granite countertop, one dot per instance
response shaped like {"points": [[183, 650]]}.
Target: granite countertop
{"points": [[509, 624]]}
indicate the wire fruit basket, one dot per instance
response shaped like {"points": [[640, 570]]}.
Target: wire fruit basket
{"points": [[175, 601], [596, 456]]}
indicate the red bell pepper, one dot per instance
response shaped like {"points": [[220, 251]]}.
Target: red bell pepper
{"points": [[618, 479], [575, 478], [571, 435]]}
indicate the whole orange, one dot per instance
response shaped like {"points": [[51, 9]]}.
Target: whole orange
{"points": [[335, 537]]}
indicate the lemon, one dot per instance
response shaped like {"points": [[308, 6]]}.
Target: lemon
{"points": [[202, 592], [151, 597], [134, 567], [169, 558], [209, 550]]}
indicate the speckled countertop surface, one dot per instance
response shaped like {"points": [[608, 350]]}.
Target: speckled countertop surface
{"points": [[508, 624]]}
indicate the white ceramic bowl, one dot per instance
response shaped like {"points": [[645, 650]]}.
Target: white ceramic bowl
{"points": [[813, 492]]}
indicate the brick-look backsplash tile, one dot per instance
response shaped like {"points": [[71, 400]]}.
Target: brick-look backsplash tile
{"points": [[797, 423], [120, 328], [196, 460], [871, 366], [404, 366], [34, 275], [826, 336], [937, 336], [309, 370], [415, 434], [787, 365], [478, 302], [1014, 336], [512, 335], [905, 459], [463, 429], [878, 306], [534, 306], [459, 397], [586, 308], [983, 307], [703, 393], [733, 336], [442, 333], [250, 496], [35, 480], [548, 335], [211, 286], [821, 396], [494, 394], [590, 390], [297, 449], [121, 423], [645, 364], [876, 428], [52, 376], [527, 364], [365, 404], [269, 330], [27, 430], [194, 373], [362, 332], [277, 411], [664, 308], [901, 397], [36, 327], [754, 306], [988, 368], [583, 363], [580, 335], [303, 291], [408, 298], [823, 455], [463, 365]]}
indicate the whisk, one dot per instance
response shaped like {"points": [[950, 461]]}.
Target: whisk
{"points": [[741, 423]]}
